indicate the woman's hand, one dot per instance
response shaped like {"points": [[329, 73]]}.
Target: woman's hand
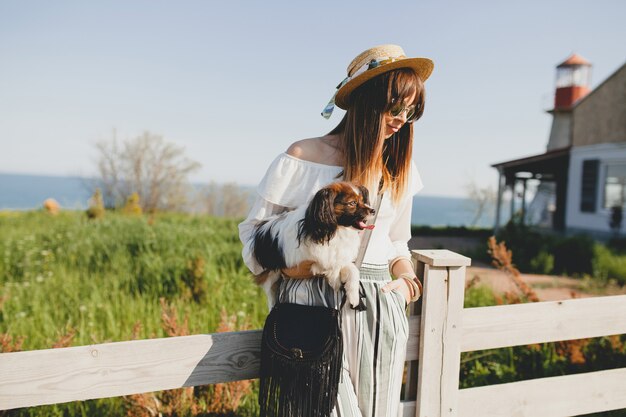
{"points": [[399, 285], [301, 271]]}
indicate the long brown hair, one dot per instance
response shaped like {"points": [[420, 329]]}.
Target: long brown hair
{"points": [[365, 150]]}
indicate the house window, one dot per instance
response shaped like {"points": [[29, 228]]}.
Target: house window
{"points": [[615, 186]]}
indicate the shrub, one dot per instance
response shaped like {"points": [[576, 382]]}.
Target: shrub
{"points": [[96, 206], [528, 245], [544, 254], [607, 265], [573, 255], [132, 206], [543, 263], [456, 231], [479, 296], [617, 245]]}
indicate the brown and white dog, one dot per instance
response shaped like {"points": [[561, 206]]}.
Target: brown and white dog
{"points": [[326, 232]]}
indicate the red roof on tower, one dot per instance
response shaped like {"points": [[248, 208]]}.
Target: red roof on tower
{"points": [[574, 59]]}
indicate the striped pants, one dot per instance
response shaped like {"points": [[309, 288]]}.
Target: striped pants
{"points": [[374, 341]]}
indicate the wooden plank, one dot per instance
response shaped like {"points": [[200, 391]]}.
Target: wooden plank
{"points": [[412, 354], [521, 324], [451, 341], [431, 346], [60, 375], [440, 257], [561, 396], [113, 369]]}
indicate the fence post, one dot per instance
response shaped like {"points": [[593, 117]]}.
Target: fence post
{"points": [[443, 275]]}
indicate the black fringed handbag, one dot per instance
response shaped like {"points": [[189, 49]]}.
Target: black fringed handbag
{"points": [[300, 361], [301, 356]]}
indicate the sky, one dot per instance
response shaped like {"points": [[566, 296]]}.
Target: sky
{"points": [[234, 83]]}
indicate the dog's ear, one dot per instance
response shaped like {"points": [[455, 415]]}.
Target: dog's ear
{"points": [[320, 221], [365, 193], [322, 206]]}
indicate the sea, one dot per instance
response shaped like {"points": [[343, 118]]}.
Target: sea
{"points": [[28, 192]]}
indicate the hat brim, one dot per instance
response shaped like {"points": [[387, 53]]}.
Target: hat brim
{"points": [[422, 66]]}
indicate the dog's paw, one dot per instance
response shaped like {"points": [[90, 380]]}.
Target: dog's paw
{"points": [[353, 297]]}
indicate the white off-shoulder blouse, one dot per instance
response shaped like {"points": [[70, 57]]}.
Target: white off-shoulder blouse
{"points": [[291, 182]]}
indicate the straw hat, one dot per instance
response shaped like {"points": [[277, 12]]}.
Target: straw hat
{"points": [[373, 62]]}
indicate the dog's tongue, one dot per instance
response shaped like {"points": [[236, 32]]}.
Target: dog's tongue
{"points": [[362, 225]]}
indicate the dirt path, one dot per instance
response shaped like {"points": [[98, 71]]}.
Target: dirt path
{"points": [[547, 287]]}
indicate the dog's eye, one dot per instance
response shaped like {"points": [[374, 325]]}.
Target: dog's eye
{"points": [[352, 203]]}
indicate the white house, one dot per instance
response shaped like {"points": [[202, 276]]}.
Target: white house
{"points": [[582, 174]]}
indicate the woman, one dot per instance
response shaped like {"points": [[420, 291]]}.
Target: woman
{"points": [[383, 95]]}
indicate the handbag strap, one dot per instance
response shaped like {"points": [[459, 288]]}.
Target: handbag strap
{"points": [[365, 240], [367, 234]]}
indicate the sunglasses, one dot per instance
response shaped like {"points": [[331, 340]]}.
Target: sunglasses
{"points": [[398, 109]]}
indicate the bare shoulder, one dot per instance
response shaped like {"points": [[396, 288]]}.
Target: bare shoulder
{"points": [[314, 150], [306, 149]]}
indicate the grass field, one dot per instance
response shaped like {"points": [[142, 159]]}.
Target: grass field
{"points": [[65, 280], [69, 281]]}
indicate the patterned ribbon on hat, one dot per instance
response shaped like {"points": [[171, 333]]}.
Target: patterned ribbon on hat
{"points": [[374, 63]]}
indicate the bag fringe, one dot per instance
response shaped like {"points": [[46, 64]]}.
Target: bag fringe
{"points": [[291, 388]]}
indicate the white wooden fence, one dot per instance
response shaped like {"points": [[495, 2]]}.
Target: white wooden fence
{"points": [[439, 332]]}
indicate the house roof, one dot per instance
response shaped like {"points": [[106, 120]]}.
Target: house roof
{"points": [[535, 159], [548, 166], [574, 59]]}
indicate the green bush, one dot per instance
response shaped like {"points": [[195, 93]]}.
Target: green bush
{"points": [[607, 265], [96, 206], [543, 263], [578, 255], [478, 296], [573, 255], [617, 245], [479, 253], [456, 231], [535, 252], [527, 245]]}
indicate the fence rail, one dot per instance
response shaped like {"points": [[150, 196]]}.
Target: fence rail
{"points": [[440, 329], [568, 395], [550, 321]]}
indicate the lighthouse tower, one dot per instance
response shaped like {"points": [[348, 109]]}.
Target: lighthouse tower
{"points": [[573, 79]]}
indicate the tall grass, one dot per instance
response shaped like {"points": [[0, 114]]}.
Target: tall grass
{"points": [[100, 277], [71, 280]]}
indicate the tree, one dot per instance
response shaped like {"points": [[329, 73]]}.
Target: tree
{"points": [[208, 199], [480, 199], [147, 165], [234, 200], [226, 200]]}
